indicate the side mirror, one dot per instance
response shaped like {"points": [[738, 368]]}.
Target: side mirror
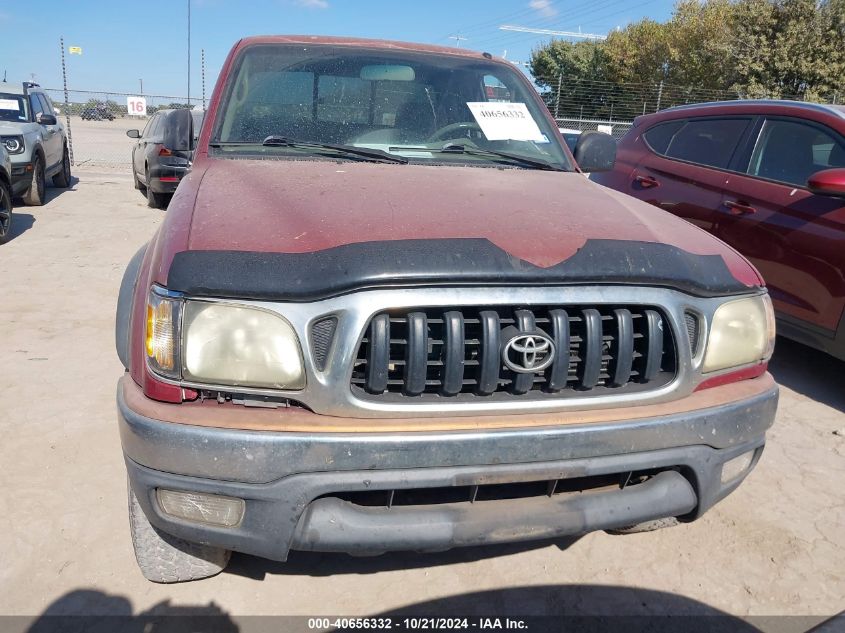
{"points": [[179, 131], [595, 151], [830, 182], [133, 133], [46, 119]]}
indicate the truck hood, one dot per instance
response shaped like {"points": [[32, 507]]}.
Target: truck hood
{"points": [[371, 220], [542, 217]]}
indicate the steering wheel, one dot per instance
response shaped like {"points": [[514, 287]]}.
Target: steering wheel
{"points": [[463, 128]]}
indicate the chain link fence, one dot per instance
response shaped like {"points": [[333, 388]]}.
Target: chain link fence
{"points": [[587, 104], [97, 123], [617, 129]]}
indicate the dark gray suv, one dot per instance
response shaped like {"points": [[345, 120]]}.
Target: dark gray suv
{"points": [[35, 140]]}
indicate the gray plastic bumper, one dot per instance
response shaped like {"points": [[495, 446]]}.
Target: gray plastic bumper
{"points": [[330, 524], [294, 484]]}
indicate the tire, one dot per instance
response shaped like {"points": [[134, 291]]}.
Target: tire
{"points": [[166, 559], [155, 200], [35, 195], [5, 212], [62, 179], [646, 526]]}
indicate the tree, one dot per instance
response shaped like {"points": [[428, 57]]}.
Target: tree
{"points": [[639, 53], [710, 49], [569, 74]]}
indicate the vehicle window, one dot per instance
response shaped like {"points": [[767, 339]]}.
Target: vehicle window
{"points": [[36, 105], [708, 142], [495, 90], [148, 127], [659, 137], [152, 128], [343, 99], [406, 103], [13, 108], [791, 152], [198, 116], [45, 104]]}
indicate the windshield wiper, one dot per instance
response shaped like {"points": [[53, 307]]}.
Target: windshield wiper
{"points": [[537, 163], [371, 154], [283, 141]]}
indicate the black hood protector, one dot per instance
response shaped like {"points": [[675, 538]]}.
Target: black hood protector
{"points": [[441, 262]]}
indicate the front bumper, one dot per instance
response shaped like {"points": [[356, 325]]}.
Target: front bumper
{"points": [[294, 483], [21, 177]]}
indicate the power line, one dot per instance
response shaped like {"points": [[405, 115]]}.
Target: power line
{"points": [[480, 26], [575, 13], [577, 34]]}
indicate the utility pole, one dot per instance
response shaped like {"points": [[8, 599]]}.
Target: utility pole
{"points": [[142, 87], [659, 96], [557, 103], [67, 103], [458, 39], [202, 52], [189, 53]]}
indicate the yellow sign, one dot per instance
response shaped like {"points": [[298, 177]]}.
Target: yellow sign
{"points": [[75, 50]]}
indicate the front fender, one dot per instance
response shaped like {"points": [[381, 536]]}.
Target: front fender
{"points": [[123, 316]]}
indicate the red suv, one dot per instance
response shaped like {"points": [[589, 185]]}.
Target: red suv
{"points": [[768, 178]]}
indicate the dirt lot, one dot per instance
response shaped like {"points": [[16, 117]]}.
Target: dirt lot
{"points": [[777, 546]]}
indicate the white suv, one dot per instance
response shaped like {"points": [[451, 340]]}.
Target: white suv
{"points": [[34, 139]]}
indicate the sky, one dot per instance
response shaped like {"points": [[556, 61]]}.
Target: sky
{"points": [[124, 42]]}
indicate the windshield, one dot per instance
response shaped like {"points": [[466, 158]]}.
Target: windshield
{"points": [[13, 108], [407, 104]]}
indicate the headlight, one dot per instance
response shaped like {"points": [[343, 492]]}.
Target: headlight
{"points": [[245, 347], [164, 318], [13, 144], [221, 344], [742, 333]]}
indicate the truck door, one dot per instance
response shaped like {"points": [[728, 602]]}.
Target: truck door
{"points": [[52, 140]]}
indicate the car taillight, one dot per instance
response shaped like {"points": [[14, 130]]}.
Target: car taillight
{"points": [[165, 152]]}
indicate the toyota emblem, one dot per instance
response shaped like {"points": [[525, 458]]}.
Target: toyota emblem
{"points": [[528, 353]]}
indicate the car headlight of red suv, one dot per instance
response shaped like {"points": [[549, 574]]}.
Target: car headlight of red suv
{"points": [[742, 332], [219, 343]]}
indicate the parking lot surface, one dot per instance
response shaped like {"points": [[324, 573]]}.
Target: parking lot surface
{"points": [[776, 546]]}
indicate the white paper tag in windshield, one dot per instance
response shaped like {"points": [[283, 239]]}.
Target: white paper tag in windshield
{"points": [[10, 104], [505, 121]]}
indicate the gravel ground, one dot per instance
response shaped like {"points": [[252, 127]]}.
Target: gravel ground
{"points": [[775, 547]]}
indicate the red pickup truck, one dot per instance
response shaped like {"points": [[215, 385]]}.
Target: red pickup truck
{"points": [[385, 311]]}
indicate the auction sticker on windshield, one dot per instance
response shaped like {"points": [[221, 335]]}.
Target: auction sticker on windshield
{"points": [[505, 121], [9, 104]]}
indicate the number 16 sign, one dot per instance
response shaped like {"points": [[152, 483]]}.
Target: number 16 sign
{"points": [[136, 106]]}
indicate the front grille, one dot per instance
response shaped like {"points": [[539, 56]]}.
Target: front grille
{"points": [[415, 497], [322, 334], [691, 322], [459, 353]]}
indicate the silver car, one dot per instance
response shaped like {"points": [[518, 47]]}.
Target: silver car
{"points": [[34, 139]]}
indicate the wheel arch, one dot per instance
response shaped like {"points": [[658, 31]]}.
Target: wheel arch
{"points": [[123, 316], [39, 151]]}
